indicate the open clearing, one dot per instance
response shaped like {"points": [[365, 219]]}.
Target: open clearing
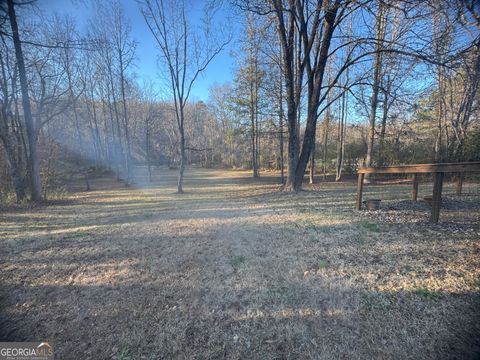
{"points": [[235, 268]]}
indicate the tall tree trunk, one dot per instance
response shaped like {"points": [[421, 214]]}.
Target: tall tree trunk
{"points": [[147, 145], [253, 79], [128, 156], [377, 67], [15, 168], [117, 127], [12, 140], [387, 86], [341, 133], [18, 181], [280, 121], [312, 162], [257, 133], [96, 134], [315, 77], [96, 146], [467, 104], [253, 138], [34, 163], [82, 145], [381, 147], [180, 106], [292, 158], [326, 125], [182, 161], [343, 116], [286, 34], [438, 44], [73, 101]]}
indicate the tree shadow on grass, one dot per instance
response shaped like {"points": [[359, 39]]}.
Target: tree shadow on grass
{"points": [[284, 320]]}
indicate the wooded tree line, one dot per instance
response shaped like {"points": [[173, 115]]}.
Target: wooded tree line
{"points": [[319, 87]]}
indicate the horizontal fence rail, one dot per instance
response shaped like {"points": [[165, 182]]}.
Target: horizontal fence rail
{"points": [[438, 169], [461, 167]]}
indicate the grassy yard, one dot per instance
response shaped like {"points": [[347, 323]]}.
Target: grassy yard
{"points": [[236, 268]]}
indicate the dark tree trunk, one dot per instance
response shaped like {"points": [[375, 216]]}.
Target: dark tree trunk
{"points": [[280, 121], [34, 163], [341, 136], [15, 168], [182, 160], [377, 66], [81, 144], [326, 125], [314, 82], [312, 162], [286, 33], [253, 125], [147, 145], [381, 147], [128, 156]]}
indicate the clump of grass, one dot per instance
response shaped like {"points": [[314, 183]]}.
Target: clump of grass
{"points": [[80, 234], [474, 282], [279, 292], [311, 226], [424, 293], [375, 301], [124, 355], [56, 193], [369, 226], [236, 261], [322, 264], [360, 240], [7, 196]]}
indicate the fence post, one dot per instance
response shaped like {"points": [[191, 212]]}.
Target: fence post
{"points": [[460, 184], [437, 197], [415, 187], [358, 205]]}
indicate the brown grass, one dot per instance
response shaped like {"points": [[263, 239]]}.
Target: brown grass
{"points": [[235, 268]]}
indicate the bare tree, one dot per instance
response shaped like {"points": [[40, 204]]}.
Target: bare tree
{"points": [[253, 75], [124, 48], [281, 121], [11, 129], [326, 128], [114, 56], [185, 54], [33, 160], [220, 105], [377, 71], [341, 130], [76, 86], [314, 25], [462, 86], [249, 84], [150, 114]]}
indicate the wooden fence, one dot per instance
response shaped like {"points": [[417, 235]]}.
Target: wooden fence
{"points": [[438, 170]]}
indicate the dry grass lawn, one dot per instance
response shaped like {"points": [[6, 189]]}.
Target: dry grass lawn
{"points": [[237, 269]]}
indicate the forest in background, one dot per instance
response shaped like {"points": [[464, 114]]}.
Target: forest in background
{"points": [[320, 87]]}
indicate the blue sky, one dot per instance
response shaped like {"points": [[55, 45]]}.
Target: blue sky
{"points": [[219, 71]]}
